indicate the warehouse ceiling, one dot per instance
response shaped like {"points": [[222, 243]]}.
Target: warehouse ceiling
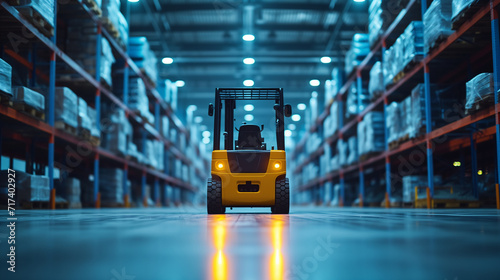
{"points": [[204, 39]]}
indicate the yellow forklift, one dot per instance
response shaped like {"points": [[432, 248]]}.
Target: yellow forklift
{"points": [[245, 173]]}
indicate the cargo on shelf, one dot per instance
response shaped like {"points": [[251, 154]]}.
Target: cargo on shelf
{"points": [[331, 123], [144, 57], [117, 132], [95, 133], [371, 133], [380, 15], [111, 186], [81, 46], [39, 12], [70, 190], [332, 87], [343, 152], [376, 84], [352, 145], [84, 122], [5, 79], [419, 181], [399, 121], [66, 116], [353, 107], [359, 49], [29, 101], [459, 9], [114, 21], [437, 23], [29, 188], [404, 53], [480, 92], [168, 92]]}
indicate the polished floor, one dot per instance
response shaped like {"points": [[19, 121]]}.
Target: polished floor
{"points": [[310, 243]]}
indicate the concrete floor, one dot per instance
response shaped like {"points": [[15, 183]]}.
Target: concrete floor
{"points": [[311, 243]]}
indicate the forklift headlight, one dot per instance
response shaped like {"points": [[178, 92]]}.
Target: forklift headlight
{"points": [[277, 165], [219, 165]]}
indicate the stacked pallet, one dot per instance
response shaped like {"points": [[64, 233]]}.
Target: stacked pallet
{"points": [[360, 48], [118, 133], [114, 21], [437, 23], [66, 117], [168, 92], [144, 57], [5, 81], [371, 134], [39, 12], [29, 101], [480, 92], [29, 188]]}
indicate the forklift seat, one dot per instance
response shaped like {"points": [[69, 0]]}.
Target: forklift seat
{"points": [[249, 138]]}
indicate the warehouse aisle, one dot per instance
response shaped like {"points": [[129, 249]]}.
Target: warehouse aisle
{"points": [[311, 243]]}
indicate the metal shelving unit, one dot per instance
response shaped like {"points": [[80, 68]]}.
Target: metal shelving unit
{"points": [[48, 130], [383, 160]]}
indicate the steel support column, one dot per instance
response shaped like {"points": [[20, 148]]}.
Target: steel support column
{"points": [[495, 38]]}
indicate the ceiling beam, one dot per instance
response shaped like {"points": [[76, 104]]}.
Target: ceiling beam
{"points": [[229, 5]]}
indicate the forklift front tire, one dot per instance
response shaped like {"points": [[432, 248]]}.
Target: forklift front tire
{"points": [[214, 197], [282, 197]]}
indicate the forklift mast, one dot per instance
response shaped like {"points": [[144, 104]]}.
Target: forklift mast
{"points": [[229, 96]]}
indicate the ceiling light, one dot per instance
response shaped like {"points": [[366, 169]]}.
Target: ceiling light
{"points": [[249, 60], [314, 82], [167, 60], [206, 140], [180, 83], [292, 126], [198, 119], [133, 1], [301, 106], [296, 118], [206, 134], [192, 108], [249, 117], [288, 133], [248, 37], [359, 1], [249, 107], [326, 59], [314, 94], [248, 83]]}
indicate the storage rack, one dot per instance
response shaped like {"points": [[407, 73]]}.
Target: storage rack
{"points": [[43, 130], [482, 10]]}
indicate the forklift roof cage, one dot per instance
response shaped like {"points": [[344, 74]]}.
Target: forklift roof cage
{"points": [[230, 95]]}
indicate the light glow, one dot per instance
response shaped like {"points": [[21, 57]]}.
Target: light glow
{"points": [[480, 172], [219, 165], [167, 60], [359, 1], [457, 163], [292, 126], [180, 83], [249, 107], [326, 59], [296, 117], [198, 119], [314, 82], [248, 83], [248, 37], [206, 140], [301, 106], [206, 134], [249, 117], [249, 60], [288, 133]]}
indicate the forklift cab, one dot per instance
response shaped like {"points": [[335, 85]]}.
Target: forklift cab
{"points": [[244, 173]]}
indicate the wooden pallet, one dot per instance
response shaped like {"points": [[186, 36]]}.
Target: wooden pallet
{"points": [[368, 155], [396, 143], [6, 100], [95, 141], [35, 18], [447, 203], [481, 104], [83, 133], [27, 109], [66, 127], [44, 205], [92, 5], [112, 29]]}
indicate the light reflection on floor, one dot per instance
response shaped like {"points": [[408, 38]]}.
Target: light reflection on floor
{"points": [[310, 243]]}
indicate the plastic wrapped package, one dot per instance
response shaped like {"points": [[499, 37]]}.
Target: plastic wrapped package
{"points": [[392, 122], [123, 29], [335, 84], [84, 122], [375, 21], [165, 126], [371, 133], [353, 150], [111, 12], [29, 97], [352, 105], [376, 84], [29, 188], [479, 89], [360, 48], [140, 52], [437, 22], [342, 151], [111, 186], [413, 43], [159, 152], [94, 131], [117, 133], [70, 189], [387, 65], [65, 103], [45, 8], [418, 120], [5, 78], [457, 6]]}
